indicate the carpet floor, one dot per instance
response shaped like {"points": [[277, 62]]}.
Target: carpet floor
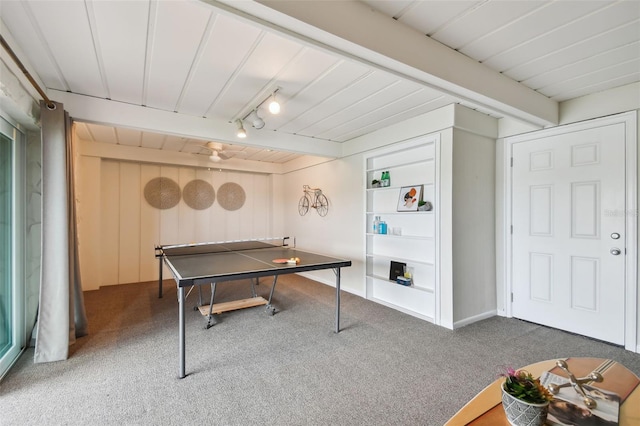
{"points": [[383, 368]]}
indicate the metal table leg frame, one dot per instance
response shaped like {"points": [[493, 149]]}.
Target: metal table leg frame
{"points": [[253, 286], [181, 337], [269, 308], [160, 278], [337, 272], [211, 321]]}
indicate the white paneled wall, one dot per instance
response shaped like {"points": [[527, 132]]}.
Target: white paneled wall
{"points": [[118, 228]]}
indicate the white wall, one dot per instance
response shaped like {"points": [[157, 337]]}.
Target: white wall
{"points": [[118, 229], [474, 274], [341, 232]]}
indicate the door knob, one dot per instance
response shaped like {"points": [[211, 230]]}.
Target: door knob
{"points": [[615, 251], [615, 236]]}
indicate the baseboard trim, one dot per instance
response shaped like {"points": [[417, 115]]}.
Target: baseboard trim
{"points": [[475, 318]]}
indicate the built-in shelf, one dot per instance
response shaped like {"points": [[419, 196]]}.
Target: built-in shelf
{"points": [[410, 164], [393, 187], [408, 237], [403, 165], [399, 213], [405, 259], [412, 286]]}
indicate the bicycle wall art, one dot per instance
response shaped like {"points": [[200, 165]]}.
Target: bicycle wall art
{"points": [[314, 198]]}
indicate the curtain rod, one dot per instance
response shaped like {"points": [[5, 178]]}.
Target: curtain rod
{"points": [[48, 101]]}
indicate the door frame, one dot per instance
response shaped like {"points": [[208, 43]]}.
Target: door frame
{"points": [[11, 130], [629, 119]]}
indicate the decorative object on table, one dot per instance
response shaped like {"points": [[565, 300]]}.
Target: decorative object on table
{"points": [[424, 206], [313, 197], [576, 383], [385, 179], [162, 193], [375, 183], [408, 199], [396, 270], [588, 405], [199, 194], [524, 399], [231, 196]]}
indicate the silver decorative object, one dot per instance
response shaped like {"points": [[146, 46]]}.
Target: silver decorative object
{"points": [[577, 384]]}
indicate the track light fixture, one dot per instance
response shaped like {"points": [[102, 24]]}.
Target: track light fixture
{"points": [[241, 132], [274, 106], [255, 119]]}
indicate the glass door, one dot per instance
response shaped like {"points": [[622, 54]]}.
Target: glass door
{"points": [[6, 195], [12, 308]]}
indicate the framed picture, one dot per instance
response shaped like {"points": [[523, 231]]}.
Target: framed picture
{"points": [[396, 270], [409, 197]]}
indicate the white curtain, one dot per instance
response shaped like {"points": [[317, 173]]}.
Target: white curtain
{"points": [[61, 313]]}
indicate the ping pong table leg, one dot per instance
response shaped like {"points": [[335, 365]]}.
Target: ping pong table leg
{"points": [[337, 272], [270, 309], [181, 338], [253, 286], [210, 319], [160, 278]]}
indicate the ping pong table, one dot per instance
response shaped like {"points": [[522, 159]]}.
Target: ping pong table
{"points": [[209, 263]]}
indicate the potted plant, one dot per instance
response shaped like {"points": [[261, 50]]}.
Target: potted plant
{"points": [[524, 399], [424, 206], [375, 183]]}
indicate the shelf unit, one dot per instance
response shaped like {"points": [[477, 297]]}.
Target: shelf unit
{"points": [[409, 164]]}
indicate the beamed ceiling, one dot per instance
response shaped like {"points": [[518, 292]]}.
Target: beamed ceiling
{"points": [[173, 75]]}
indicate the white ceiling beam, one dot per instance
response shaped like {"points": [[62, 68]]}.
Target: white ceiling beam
{"points": [[355, 29], [157, 156], [119, 114]]}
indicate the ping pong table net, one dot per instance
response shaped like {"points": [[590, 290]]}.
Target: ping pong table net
{"points": [[223, 246]]}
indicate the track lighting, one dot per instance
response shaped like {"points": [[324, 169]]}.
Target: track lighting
{"points": [[252, 117], [241, 132], [255, 119], [274, 106]]}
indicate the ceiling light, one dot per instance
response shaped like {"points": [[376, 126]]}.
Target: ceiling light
{"points": [[214, 157], [255, 119], [274, 106], [241, 132]]}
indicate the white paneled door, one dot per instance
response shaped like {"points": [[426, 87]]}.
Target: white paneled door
{"points": [[568, 243]]}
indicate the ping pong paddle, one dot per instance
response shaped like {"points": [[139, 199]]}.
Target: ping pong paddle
{"points": [[280, 260]]}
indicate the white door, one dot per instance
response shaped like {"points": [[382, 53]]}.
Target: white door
{"points": [[568, 242]]}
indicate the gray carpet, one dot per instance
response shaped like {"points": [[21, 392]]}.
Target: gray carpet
{"points": [[384, 368]]}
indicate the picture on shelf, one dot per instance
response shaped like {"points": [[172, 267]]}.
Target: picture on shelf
{"points": [[396, 270], [409, 197]]}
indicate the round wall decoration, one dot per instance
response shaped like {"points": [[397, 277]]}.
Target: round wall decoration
{"points": [[162, 193], [231, 196], [198, 194]]}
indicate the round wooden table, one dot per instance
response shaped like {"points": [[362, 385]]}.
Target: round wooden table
{"points": [[485, 409]]}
